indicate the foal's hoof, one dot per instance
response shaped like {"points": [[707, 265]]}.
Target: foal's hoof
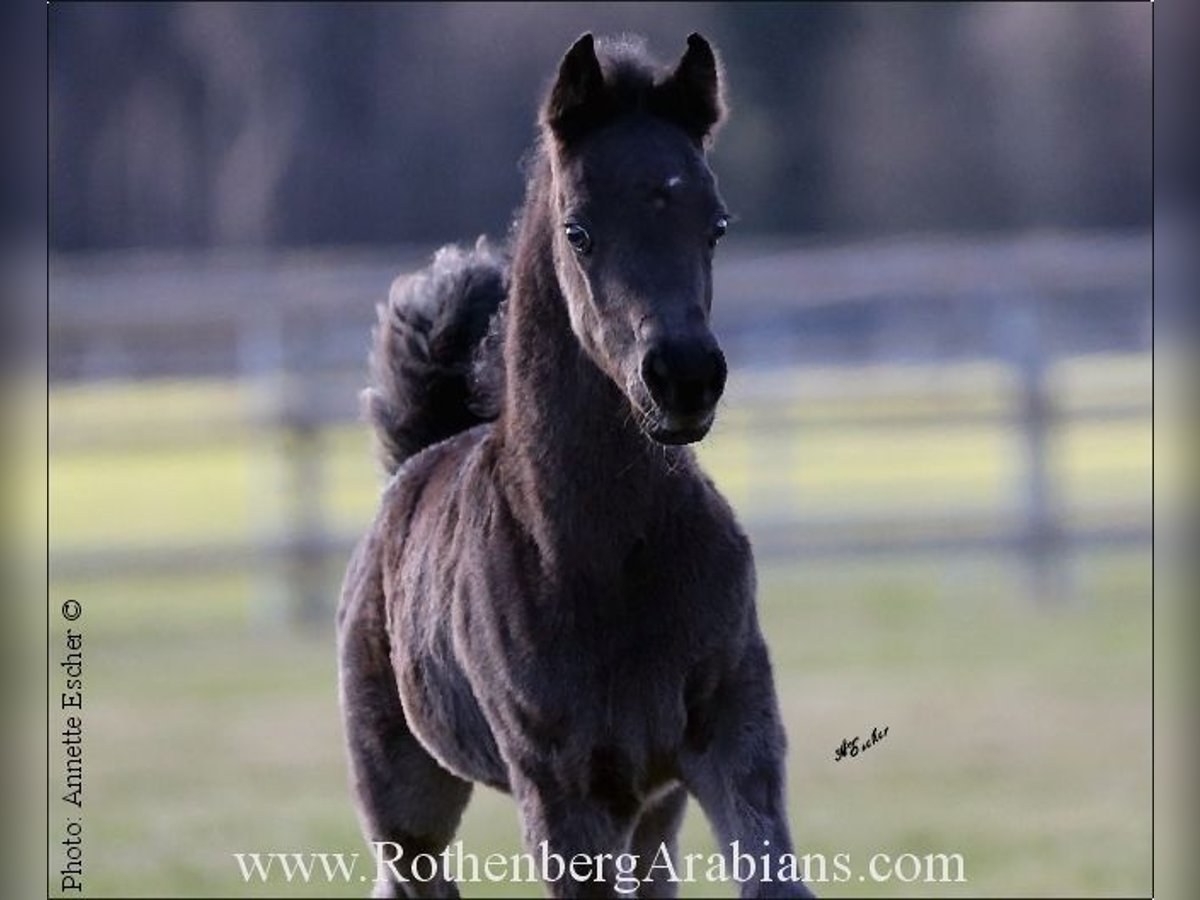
{"points": [[789, 889]]}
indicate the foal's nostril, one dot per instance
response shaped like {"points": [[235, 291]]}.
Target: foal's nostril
{"points": [[656, 375], [700, 383], [684, 378], [658, 367]]}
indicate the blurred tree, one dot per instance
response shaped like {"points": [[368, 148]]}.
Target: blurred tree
{"points": [[269, 124], [22, 110], [781, 63]]}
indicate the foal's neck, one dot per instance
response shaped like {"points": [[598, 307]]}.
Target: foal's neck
{"points": [[579, 463]]}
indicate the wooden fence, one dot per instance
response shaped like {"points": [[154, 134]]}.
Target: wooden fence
{"points": [[299, 325]]}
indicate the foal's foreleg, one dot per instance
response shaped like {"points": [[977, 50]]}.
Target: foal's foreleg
{"points": [[560, 826], [407, 803], [656, 835], [738, 777]]}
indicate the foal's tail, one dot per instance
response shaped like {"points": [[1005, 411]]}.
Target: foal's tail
{"points": [[423, 349]]}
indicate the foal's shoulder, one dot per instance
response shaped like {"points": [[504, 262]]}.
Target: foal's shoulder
{"points": [[715, 519], [706, 495]]}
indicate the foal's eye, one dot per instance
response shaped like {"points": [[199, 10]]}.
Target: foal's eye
{"points": [[578, 238], [720, 226]]}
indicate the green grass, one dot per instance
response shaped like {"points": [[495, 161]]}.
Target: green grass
{"points": [[1019, 736]]}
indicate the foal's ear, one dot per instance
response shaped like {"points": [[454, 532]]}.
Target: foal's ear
{"points": [[691, 95], [577, 97]]}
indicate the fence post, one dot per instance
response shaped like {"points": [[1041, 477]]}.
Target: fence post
{"points": [[305, 540], [1041, 542], [262, 363], [306, 534], [290, 586]]}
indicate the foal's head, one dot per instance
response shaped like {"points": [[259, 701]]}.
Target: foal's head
{"points": [[637, 218]]}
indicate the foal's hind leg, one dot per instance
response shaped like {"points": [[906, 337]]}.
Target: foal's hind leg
{"points": [[407, 803], [656, 834]]}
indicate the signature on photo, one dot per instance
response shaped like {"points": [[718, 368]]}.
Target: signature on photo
{"points": [[855, 745]]}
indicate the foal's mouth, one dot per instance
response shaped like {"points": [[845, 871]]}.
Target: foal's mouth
{"points": [[674, 430]]}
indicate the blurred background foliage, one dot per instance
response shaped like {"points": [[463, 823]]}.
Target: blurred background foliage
{"points": [[268, 124]]}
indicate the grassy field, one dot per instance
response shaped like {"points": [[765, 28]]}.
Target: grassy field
{"points": [[816, 451], [1018, 736]]}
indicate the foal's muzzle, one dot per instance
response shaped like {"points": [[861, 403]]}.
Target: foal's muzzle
{"points": [[685, 380]]}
